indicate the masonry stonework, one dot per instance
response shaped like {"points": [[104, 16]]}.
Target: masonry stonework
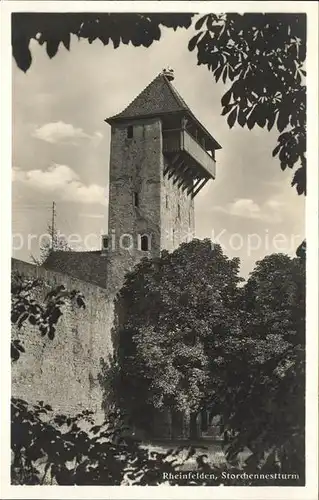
{"points": [[65, 372], [134, 196]]}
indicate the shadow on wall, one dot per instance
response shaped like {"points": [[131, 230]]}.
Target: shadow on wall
{"points": [[112, 399], [109, 374], [107, 379]]}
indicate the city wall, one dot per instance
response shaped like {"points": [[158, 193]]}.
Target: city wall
{"points": [[69, 371]]}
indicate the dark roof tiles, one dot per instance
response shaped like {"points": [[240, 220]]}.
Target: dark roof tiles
{"points": [[158, 97], [85, 266]]}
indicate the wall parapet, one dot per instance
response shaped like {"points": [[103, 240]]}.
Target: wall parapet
{"points": [[55, 277]]}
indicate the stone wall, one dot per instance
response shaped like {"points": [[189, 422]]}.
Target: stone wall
{"points": [[66, 372]]}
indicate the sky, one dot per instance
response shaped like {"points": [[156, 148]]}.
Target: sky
{"points": [[61, 150]]}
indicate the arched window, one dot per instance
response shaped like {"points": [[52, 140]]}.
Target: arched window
{"points": [[144, 243]]}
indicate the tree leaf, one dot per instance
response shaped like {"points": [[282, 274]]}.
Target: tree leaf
{"points": [[251, 121], [271, 121], [193, 42], [276, 150], [226, 98], [15, 354], [218, 72], [200, 22], [241, 118], [52, 47], [51, 333], [232, 118], [66, 40], [19, 346], [225, 74], [261, 117], [299, 180], [227, 108], [283, 119], [22, 54]]}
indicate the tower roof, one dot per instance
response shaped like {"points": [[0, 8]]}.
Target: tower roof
{"points": [[160, 97]]}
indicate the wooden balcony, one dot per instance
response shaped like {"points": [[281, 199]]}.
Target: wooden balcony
{"points": [[180, 141]]}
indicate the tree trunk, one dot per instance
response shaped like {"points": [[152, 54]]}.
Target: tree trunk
{"points": [[193, 428], [204, 420]]}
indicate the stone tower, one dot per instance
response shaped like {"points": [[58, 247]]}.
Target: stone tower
{"points": [[161, 156]]}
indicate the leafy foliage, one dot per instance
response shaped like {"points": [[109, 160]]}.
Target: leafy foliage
{"points": [[265, 402], [206, 343], [56, 242], [50, 448], [263, 57], [275, 299], [302, 250], [165, 350], [25, 308], [268, 414], [55, 29], [79, 454]]}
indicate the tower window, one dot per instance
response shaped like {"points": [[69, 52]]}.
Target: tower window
{"points": [[178, 211], [136, 200], [105, 241], [129, 131], [144, 243], [166, 201]]}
